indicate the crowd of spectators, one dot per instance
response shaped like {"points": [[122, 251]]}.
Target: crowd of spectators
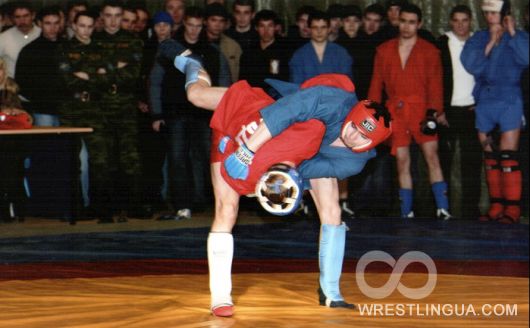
{"points": [[96, 66]]}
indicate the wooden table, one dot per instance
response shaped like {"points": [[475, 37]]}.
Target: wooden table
{"points": [[46, 130]]}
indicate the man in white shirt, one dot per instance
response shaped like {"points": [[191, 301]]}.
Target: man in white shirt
{"points": [[459, 107], [22, 33]]}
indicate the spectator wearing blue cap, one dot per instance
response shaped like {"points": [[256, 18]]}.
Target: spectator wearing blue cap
{"points": [[151, 144]]}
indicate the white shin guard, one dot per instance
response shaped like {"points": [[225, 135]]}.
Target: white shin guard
{"points": [[220, 254]]}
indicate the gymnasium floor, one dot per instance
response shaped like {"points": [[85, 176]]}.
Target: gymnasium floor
{"points": [[148, 273]]}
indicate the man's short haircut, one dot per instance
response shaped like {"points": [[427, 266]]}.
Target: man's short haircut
{"points": [[141, 7], [250, 3], [265, 15], [215, 9], [412, 9], [398, 3], [129, 8], [374, 9], [20, 5], [352, 10], [461, 9], [74, 3], [193, 12], [335, 10], [318, 15], [304, 10], [85, 13], [112, 3], [48, 11]]}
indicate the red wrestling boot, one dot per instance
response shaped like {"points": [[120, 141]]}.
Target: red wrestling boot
{"points": [[223, 310]]}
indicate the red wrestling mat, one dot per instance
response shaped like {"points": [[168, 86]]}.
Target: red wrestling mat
{"points": [[131, 268]]}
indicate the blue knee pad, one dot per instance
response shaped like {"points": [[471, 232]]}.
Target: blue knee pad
{"points": [[189, 66], [331, 256]]}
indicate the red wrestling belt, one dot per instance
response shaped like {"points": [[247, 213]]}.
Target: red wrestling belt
{"points": [[330, 80], [15, 122]]}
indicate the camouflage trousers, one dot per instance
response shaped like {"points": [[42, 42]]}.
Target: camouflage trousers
{"points": [[114, 165]]}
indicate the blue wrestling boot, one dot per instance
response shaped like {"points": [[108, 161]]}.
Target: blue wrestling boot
{"points": [[331, 256]]}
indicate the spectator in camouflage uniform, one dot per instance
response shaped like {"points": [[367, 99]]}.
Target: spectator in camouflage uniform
{"points": [[122, 54], [83, 72]]}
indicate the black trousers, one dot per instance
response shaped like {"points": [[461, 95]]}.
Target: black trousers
{"points": [[12, 154], [462, 130]]}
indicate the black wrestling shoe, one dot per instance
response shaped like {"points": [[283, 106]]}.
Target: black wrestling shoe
{"points": [[324, 301]]}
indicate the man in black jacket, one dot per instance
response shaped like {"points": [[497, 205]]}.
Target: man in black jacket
{"points": [[267, 59], [459, 108], [37, 70], [37, 73]]}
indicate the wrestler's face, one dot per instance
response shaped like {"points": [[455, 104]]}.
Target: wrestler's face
{"points": [[353, 138], [319, 30], [492, 17], [409, 24]]}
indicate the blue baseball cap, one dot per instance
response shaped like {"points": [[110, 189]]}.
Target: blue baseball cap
{"points": [[162, 17]]}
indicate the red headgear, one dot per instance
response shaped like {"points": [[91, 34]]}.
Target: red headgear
{"points": [[372, 120], [14, 122]]}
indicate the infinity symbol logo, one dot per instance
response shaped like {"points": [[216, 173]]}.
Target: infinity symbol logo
{"points": [[395, 276]]}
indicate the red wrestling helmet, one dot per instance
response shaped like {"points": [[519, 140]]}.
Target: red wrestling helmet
{"points": [[15, 122], [372, 120]]}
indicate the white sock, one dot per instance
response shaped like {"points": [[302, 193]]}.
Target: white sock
{"points": [[220, 254]]}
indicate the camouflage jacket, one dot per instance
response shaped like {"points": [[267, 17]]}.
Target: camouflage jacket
{"points": [[87, 58], [125, 48]]}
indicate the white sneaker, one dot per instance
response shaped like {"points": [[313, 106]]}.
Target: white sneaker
{"points": [[409, 216], [443, 214], [184, 214]]}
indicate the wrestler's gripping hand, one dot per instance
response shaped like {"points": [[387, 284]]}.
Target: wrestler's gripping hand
{"points": [[237, 164]]}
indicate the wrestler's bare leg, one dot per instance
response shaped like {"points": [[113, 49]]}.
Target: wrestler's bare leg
{"points": [[221, 244], [325, 193], [430, 153]]}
